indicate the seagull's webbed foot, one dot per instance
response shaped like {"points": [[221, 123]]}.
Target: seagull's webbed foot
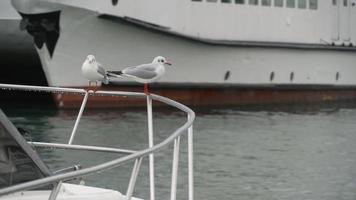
{"points": [[93, 88]]}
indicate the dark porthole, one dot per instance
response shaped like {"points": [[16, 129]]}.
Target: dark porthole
{"points": [[291, 76], [271, 76], [337, 76], [227, 75], [114, 2]]}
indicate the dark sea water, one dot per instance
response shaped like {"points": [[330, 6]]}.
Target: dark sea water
{"points": [[264, 155]]}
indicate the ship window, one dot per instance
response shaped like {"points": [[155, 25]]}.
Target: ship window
{"points": [[302, 4], [271, 76], [114, 2], [227, 75], [196, 0], [278, 3], [313, 4], [345, 3], [291, 76], [213, 1], [253, 2], [225, 1], [290, 3], [240, 1], [266, 2], [337, 76], [334, 2]]}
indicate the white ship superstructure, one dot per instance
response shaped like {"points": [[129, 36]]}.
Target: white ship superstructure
{"points": [[318, 22], [212, 43]]}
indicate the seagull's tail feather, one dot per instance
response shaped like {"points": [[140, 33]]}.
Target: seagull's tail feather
{"points": [[117, 74]]}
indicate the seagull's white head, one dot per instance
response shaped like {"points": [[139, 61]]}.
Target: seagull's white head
{"points": [[90, 59], [161, 59]]}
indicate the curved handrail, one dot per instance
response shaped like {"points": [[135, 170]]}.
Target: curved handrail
{"points": [[110, 164]]}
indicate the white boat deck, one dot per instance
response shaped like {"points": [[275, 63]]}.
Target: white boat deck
{"points": [[72, 192]]}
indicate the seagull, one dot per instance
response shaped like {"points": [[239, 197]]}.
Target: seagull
{"points": [[93, 71], [145, 73]]}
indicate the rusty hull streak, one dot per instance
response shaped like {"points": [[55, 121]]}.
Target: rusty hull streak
{"points": [[228, 96]]}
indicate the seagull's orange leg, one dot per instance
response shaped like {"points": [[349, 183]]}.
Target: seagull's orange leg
{"points": [[145, 89], [89, 86], [96, 86]]}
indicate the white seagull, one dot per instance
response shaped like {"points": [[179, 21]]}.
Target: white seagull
{"points": [[145, 73], [93, 71]]}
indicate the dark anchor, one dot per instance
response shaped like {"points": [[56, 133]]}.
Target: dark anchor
{"points": [[44, 28]]}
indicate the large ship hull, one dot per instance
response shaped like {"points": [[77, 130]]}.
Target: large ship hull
{"points": [[203, 73]]}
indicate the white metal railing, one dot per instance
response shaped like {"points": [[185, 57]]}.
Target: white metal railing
{"points": [[130, 155]]}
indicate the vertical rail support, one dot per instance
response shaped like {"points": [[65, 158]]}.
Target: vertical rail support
{"points": [[150, 144], [134, 174], [190, 163], [78, 117], [55, 191], [175, 163]]}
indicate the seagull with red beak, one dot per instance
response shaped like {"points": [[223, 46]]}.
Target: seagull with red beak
{"points": [[145, 73]]}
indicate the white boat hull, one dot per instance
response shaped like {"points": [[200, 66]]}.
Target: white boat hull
{"points": [[72, 192]]}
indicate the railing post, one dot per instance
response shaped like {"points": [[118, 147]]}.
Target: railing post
{"points": [[78, 117], [55, 191], [175, 168], [150, 144], [134, 174], [190, 163]]}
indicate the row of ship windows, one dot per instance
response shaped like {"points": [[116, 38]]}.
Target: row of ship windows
{"points": [[302, 4], [345, 2], [291, 76], [272, 76]]}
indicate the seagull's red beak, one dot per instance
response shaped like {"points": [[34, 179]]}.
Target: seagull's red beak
{"points": [[168, 63]]}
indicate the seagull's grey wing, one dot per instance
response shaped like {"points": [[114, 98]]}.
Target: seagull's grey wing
{"points": [[101, 70], [147, 67], [142, 71]]}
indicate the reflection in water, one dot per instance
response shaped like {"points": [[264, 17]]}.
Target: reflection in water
{"points": [[239, 154]]}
